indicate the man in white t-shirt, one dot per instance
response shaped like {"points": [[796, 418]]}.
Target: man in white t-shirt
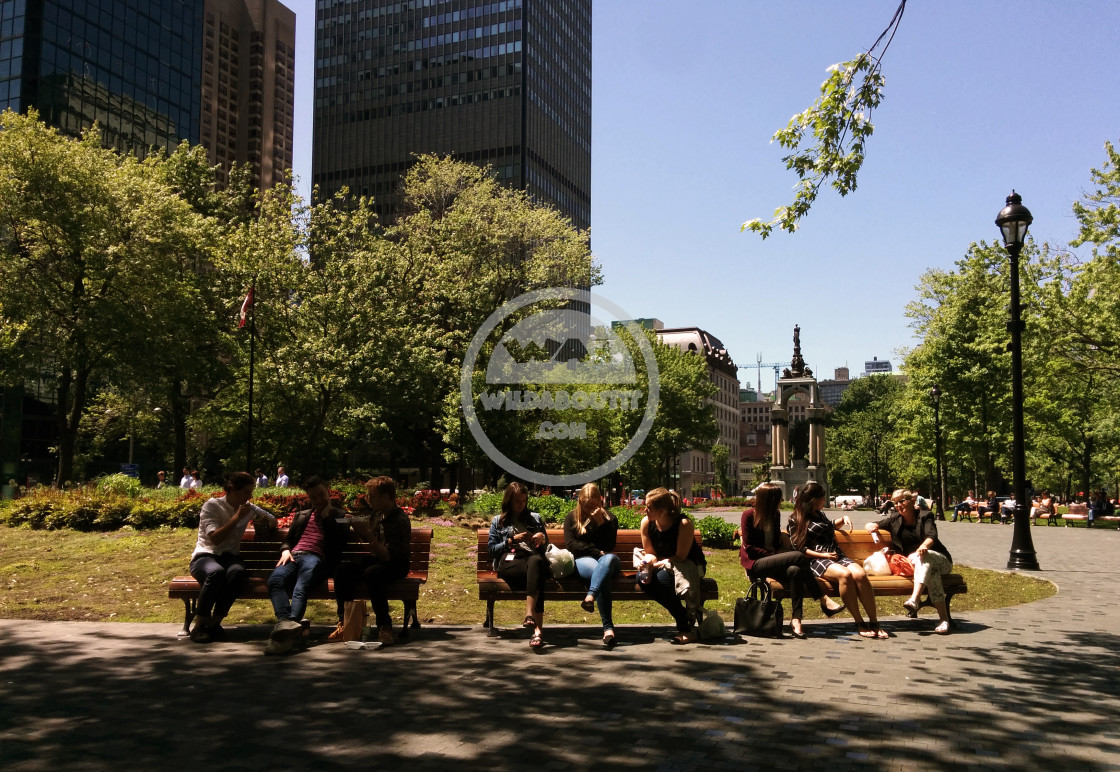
{"points": [[185, 480], [281, 477]]}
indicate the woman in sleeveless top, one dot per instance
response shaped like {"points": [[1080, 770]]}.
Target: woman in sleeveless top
{"points": [[668, 539]]}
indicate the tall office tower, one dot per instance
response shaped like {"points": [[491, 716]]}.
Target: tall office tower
{"points": [[134, 66], [248, 87], [502, 82]]}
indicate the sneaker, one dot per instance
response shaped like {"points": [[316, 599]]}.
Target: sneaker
{"points": [[275, 647], [200, 632], [286, 628], [385, 635], [336, 634]]}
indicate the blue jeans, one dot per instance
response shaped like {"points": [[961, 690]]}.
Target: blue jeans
{"points": [[600, 572], [296, 576]]}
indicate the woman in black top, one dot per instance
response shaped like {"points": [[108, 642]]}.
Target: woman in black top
{"points": [[915, 536], [765, 553], [669, 539], [590, 532], [814, 534]]}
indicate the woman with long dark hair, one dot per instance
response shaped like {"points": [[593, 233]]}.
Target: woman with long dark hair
{"points": [[766, 553], [516, 546], [815, 535]]}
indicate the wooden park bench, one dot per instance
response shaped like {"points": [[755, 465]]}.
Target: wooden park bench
{"points": [[858, 545], [572, 588], [1076, 512], [260, 557]]}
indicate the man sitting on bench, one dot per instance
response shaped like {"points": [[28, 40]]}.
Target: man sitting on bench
{"points": [[388, 532], [310, 552]]}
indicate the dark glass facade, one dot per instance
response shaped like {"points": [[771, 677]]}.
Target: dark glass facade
{"points": [[501, 82], [134, 66]]}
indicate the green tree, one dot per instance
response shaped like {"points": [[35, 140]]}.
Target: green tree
{"points": [[868, 407], [93, 246]]}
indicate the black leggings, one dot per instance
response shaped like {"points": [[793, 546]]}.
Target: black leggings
{"points": [[526, 573], [791, 570], [377, 576]]}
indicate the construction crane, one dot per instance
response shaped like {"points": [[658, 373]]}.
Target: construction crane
{"points": [[759, 364]]}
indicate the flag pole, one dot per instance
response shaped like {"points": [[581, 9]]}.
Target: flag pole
{"points": [[252, 357]]}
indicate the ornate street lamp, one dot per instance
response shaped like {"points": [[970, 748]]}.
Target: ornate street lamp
{"points": [[935, 395], [1013, 221]]}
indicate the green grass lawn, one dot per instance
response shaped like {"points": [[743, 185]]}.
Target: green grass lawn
{"points": [[123, 576]]}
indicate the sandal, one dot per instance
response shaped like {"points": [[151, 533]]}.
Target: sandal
{"points": [[536, 643], [680, 639], [942, 629], [881, 633], [865, 632], [911, 608], [528, 621]]}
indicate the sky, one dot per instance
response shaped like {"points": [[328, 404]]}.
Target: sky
{"points": [[980, 97]]}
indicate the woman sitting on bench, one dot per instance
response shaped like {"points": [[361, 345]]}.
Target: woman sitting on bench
{"points": [[915, 536], [669, 542], [814, 534], [767, 554], [516, 545], [590, 533]]}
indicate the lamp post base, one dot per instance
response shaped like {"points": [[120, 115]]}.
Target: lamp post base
{"points": [[1023, 560]]}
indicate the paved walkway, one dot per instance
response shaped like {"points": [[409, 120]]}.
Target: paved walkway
{"points": [[1034, 687]]}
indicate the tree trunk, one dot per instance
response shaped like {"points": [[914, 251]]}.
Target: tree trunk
{"points": [[179, 427], [68, 424]]}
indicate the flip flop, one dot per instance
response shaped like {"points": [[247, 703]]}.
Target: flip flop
{"points": [[865, 632], [881, 633], [528, 622], [536, 643]]}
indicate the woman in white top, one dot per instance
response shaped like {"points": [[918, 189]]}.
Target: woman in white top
{"points": [[216, 560]]}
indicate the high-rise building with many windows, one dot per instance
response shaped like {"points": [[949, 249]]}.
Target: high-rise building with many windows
{"points": [[133, 66], [248, 87], [153, 73], [501, 82]]}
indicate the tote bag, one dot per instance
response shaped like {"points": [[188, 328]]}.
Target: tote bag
{"points": [[758, 614]]}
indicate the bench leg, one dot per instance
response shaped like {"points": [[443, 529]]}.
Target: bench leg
{"points": [[189, 609], [489, 623], [409, 613]]}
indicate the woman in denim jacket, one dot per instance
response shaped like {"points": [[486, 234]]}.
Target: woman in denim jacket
{"points": [[516, 546]]}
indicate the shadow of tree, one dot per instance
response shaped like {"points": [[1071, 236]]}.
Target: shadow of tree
{"points": [[105, 696]]}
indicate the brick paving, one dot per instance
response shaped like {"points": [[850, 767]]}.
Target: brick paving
{"points": [[1028, 687]]}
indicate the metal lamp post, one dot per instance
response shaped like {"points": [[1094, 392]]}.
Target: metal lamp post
{"points": [[1013, 221], [935, 395]]}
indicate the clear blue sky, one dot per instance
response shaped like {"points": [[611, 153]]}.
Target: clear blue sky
{"points": [[981, 97]]}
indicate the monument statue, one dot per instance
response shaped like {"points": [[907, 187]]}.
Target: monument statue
{"points": [[797, 368]]}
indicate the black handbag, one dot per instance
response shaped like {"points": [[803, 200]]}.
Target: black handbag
{"points": [[758, 613]]}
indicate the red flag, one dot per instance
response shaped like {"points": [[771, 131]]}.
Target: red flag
{"points": [[246, 307]]}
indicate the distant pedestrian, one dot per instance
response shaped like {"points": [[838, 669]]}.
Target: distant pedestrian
{"points": [[196, 480], [281, 477], [161, 479], [262, 479], [185, 480]]}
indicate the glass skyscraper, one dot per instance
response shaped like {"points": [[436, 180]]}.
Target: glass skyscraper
{"points": [[134, 66], [501, 82]]}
